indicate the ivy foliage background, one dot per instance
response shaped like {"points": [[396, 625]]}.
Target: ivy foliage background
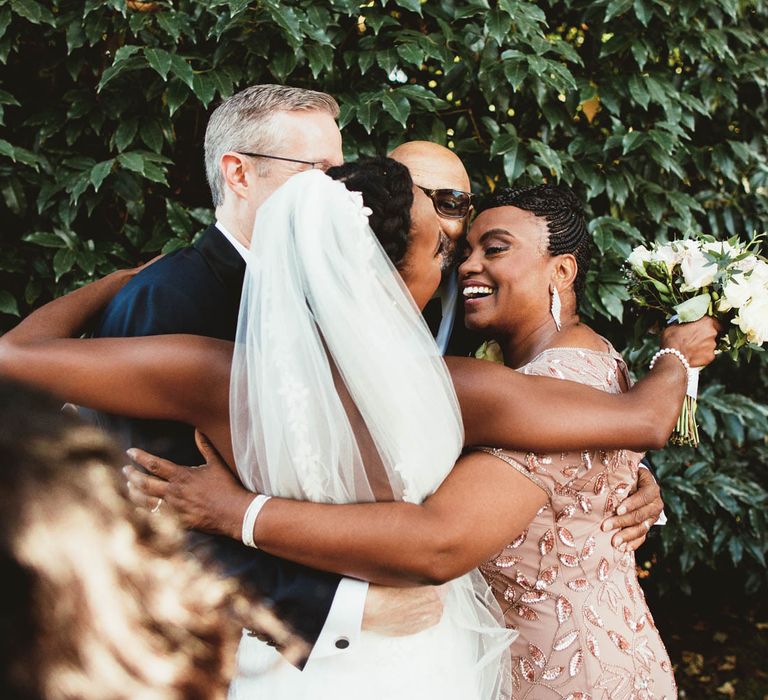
{"points": [[654, 110]]}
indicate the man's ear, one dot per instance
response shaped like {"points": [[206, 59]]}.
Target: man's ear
{"points": [[565, 271], [235, 169]]}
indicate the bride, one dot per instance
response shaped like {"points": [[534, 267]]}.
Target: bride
{"points": [[339, 395]]}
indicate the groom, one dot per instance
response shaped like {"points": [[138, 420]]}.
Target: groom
{"points": [[254, 142]]}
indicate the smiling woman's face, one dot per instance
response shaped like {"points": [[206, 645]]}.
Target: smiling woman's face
{"points": [[421, 269], [507, 271]]}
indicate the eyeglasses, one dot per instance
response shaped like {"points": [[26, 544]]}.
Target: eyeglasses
{"points": [[290, 160], [452, 204]]}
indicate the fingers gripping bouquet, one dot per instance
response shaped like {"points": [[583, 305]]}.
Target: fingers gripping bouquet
{"points": [[686, 280]]}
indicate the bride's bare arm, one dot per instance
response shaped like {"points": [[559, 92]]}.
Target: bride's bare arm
{"points": [[482, 505], [504, 408], [178, 377]]}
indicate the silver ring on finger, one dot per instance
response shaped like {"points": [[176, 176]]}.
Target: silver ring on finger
{"points": [[646, 523], [157, 506]]}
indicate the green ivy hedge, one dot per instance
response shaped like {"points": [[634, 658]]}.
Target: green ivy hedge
{"points": [[654, 110]]}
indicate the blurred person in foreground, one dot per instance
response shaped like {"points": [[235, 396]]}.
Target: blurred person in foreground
{"points": [[100, 601]]}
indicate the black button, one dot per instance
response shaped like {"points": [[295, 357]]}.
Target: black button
{"points": [[342, 643]]}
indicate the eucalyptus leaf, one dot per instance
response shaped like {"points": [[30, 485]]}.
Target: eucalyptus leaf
{"points": [[694, 308]]}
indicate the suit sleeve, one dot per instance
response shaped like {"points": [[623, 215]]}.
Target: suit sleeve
{"points": [[299, 596]]}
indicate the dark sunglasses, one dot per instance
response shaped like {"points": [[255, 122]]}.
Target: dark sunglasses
{"points": [[452, 204]]}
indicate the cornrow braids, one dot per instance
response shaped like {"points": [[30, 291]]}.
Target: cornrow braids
{"points": [[387, 190], [564, 214]]}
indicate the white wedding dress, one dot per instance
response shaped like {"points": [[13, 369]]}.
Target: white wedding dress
{"points": [[321, 295]]}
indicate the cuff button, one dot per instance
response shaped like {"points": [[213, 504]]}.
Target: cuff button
{"points": [[342, 643]]}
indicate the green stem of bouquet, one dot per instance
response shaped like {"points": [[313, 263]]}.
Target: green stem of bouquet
{"points": [[686, 431]]}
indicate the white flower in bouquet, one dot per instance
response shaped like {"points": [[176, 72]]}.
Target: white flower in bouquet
{"points": [[752, 319], [759, 271], [698, 271], [737, 292], [752, 283], [638, 258], [688, 279], [668, 254], [721, 248]]}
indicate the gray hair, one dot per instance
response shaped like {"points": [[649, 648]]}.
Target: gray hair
{"points": [[246, 121]]}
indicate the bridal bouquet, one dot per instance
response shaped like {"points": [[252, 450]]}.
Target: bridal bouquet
{"points": [[685, 280]]}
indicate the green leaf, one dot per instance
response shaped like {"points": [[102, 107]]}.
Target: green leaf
{"points": [[631, 141], [132, 161], [548, 157], [368, 114], [498, 24], [8, 304], [411, 53], [616, 7], [182, 70], [412, 5], [126, 132], [514, 162], [176, 95], [99, 173], [638, 91], [47, 240], [643, 11], [178, 219], [204, 88], [397, 106], [152, 134], [7, 99], [515, 72], [33, 11], [160, 60], [63, 262], [5, 19]]}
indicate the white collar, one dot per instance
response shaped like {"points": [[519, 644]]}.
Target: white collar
{"points": [[237, 245]]}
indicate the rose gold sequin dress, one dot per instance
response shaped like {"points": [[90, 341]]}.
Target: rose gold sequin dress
{"points": [[585, 629]]}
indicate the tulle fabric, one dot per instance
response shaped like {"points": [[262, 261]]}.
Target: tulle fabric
{"points": [[320, 292]]}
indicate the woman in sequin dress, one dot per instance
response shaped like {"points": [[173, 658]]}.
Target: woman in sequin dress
{"points": [[532, 521], [585, 629]]}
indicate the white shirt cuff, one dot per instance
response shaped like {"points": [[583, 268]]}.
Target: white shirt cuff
{"points": [[341, 630]]}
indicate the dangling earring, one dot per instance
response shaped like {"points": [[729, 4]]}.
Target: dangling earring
{"points": [[554, 307]]}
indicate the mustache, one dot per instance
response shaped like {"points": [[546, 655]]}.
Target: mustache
{"points": [[450, 256]]}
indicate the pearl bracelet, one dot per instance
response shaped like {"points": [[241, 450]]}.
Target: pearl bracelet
{"points": [[249, 519], [670, 351]]}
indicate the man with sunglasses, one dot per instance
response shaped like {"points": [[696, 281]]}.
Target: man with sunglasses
{"points": [[441, 175]]}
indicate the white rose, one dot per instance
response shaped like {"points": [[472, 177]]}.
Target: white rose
{"points": [[746, 264], [698, 272], [637, 257], [722, 247], [668, 254], [753, 320], [760, 272], [737, 292]]}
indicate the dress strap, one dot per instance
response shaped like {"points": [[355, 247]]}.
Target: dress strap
{"points": [[498, 452]]}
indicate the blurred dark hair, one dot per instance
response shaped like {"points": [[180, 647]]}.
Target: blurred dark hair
{"points": [[101, 602]]}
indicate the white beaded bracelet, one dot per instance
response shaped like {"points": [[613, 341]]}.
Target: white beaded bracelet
{"points": [[670, 351], [249, 519]]}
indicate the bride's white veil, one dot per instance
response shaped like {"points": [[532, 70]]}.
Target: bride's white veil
{"points": [[323, 305]]}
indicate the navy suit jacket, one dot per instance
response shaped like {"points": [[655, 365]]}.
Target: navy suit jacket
{"points": [[197, 290]]}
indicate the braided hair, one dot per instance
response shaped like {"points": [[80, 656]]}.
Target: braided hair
{"points": [[387, 190], [564, 214]]}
